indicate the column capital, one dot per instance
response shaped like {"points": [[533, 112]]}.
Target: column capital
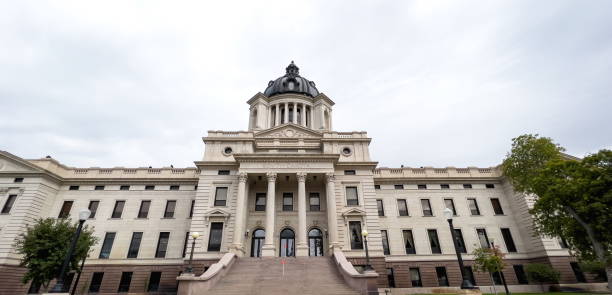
{"points": [[242, 176], [330, 177], [301, 176], [271, 176]]}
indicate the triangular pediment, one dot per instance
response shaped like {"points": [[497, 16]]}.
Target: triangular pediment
{"points": [[288, 130], [353, 212], [217, 213], [12, 163]]}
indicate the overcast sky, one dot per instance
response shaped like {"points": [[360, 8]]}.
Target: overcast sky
{"points": [[434, 83]]}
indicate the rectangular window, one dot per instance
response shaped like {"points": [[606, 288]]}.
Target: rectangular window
{"points": [[134, 245], [385, 242], [93, 208], [521, 277], [377, 186], [162, 245], [260, 202], [170, 206], [107, 245], [18, 180], [223, 172], [287, 201], [356, 240], [175, 187], [8, 205], [73, 188], [434, 242], [315, 202], [402, 207], [96, 282], [352, 199], [490, 185], [216, 235], [154, 279], [510, 246], [390, 278], [467, 185], [99, 188], [497, 278], [380, 207], [421, 186], [349, 172], [459, 240], [415, 277], [399, 186], [450, 205], [124, 283], [65, 211], [124, 188], [118, 210], [409, 242], [143, 212], [473, 207], [426, 207], [68, 282], [442, 277], [497, 206], [470, 274], [185, 243], [445, 186], [191, 208], [578, 272], [149, 187], [220, 196], [483, 238]]}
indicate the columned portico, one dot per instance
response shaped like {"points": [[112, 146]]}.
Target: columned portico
{"points": [[302, 246], [268, 249]]}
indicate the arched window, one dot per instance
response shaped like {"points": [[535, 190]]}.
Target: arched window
{"points": [[254, 119], [257, 242], [287, 243], [315, 242], [326, 120]]}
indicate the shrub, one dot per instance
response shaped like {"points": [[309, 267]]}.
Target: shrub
{"points": [[542, 273]]}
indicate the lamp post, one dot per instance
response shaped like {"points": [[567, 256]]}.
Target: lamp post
{"points": [[465, 284], [194, 235], [59, 286], [501, 273], [368, 267]]}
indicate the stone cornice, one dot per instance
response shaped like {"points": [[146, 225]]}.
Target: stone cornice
{"points": [[286, 157], [369, 165], [436, 174]]}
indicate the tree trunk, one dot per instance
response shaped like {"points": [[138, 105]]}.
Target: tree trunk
{"points": [[597, 247]]}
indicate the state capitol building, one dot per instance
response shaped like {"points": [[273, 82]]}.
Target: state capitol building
{"points": [[289, 190]]}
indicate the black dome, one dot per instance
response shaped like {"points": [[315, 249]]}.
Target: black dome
{"points": [[291, 82]]}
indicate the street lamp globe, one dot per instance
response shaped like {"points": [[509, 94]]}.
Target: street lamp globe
{"points": [[195, 235], [364, 233], [84, 214], [448, 213]]}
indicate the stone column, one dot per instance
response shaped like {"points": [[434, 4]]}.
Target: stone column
{"points": [[238, 245], [277, 119], [304, 114], [302, 241], [311, 118], [294, 120], [332, 220], [286, 112], [268, 248]]}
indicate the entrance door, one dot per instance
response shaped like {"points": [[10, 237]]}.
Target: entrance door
{"points": [[315, 242], [287, 243], [258, 240]]}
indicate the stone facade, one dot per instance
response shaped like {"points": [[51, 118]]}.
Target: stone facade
{"points": [[303, 175]]}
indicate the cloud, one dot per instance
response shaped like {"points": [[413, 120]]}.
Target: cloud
{"points": [[439, 83]]}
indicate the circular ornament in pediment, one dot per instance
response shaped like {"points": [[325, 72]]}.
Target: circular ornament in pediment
{"points": [[289, 133]]}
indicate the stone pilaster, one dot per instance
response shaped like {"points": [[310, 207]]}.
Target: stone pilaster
{"points": [[238, 245], [331, 210]]}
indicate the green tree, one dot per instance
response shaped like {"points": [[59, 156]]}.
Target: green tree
{"points": [[573, 196], [489, 260], [44, 247]]}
